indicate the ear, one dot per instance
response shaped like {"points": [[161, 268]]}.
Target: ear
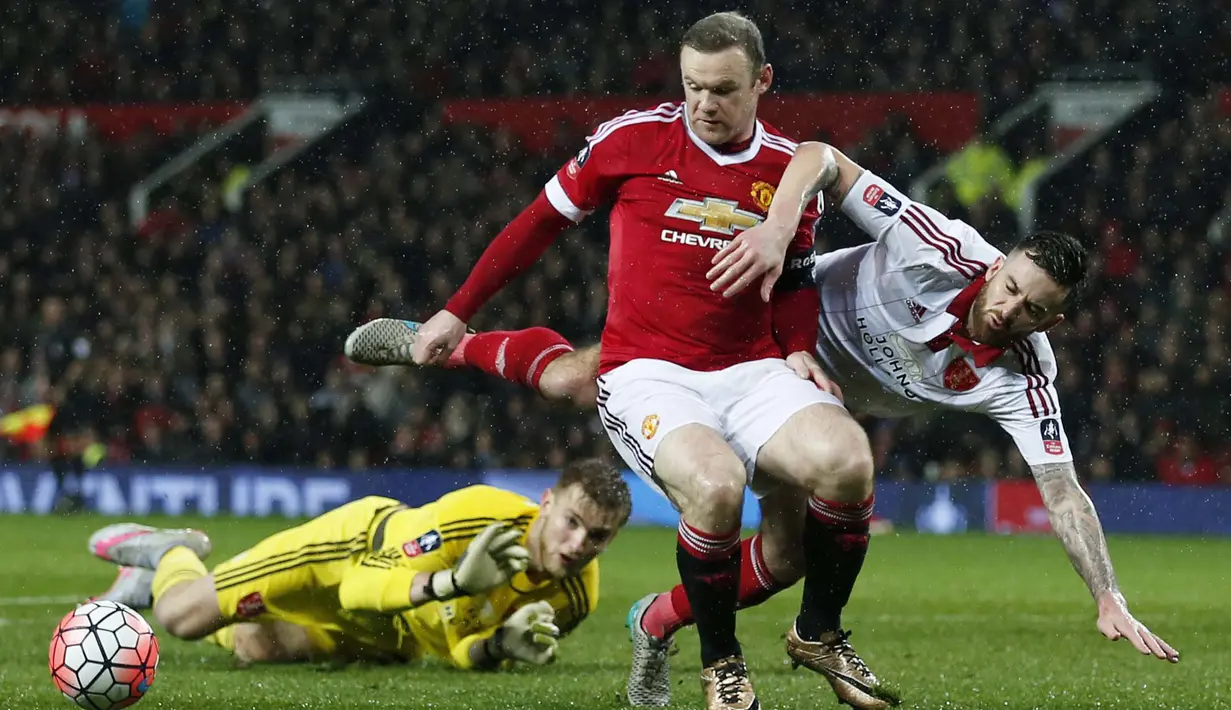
{"points": [[764, 79], [994, 269], [545, 501], [1052, 323]]}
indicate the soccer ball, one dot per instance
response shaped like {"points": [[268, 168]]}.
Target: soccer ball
{"points": [[103, 656]]}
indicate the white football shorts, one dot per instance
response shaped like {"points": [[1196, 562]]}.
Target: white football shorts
{"points": [[642, 401]]}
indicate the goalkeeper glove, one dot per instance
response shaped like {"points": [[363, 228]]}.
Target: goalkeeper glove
{"points": [[529, 635], [490, 560]]}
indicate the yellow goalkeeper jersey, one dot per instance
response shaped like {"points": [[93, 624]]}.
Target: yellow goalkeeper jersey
{"points": [[403, 542]]}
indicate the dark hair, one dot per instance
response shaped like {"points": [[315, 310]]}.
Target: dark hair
{"points": [[601, 483], [1063, 258], [724, 30]]}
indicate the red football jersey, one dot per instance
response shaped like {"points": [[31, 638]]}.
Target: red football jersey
{"points": [[677, 202]]}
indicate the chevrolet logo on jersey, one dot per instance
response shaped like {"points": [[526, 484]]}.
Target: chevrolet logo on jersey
{"points": [[714, 215]]}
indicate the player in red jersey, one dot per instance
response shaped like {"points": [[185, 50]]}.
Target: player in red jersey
{"points": [[694, 390]]}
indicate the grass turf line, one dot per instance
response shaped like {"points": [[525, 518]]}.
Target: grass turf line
{"points": [[953, 622]]}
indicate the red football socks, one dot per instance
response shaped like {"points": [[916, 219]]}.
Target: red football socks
{"points": [[671, 611], [519, 356]]}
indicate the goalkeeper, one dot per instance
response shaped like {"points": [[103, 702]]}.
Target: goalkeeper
{"points": [[480, 577]]}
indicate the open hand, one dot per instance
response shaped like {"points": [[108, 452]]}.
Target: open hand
{"points": [[754, 253], [1116, 623], [805, 365]]}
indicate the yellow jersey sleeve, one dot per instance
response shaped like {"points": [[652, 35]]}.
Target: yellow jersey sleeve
{"points": [[381, 578], [410, 541]]}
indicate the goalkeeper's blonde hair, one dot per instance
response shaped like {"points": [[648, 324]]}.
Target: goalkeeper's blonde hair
{"points": [[601, 483]]}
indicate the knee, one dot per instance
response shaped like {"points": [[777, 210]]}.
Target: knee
{"points": [[722, 490], [843, 469], [187, 616], [177, 623], [708, 494], [718, 494], [852, 471]]}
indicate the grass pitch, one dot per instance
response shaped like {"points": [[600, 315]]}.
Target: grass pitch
{"points": [[960, 622]]}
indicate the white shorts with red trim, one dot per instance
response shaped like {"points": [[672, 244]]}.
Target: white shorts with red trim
{"points": [[642, 401]]}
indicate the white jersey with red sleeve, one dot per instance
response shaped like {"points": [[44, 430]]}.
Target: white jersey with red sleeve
{"points": [[887, 307], [676, 202]]}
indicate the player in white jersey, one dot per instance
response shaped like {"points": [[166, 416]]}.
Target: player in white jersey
{"points": [[927, 316], [898, 317]]}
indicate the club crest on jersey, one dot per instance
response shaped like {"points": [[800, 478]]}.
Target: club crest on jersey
{"points": [[875, 196], [649, 426], [1049, 429], [250, 606], [960, 376], [423, 544], [714, 215], [762, 194]]}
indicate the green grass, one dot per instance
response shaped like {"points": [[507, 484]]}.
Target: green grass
{"points": [[963, 622]]}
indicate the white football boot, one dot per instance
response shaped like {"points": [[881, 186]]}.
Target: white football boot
{"points": [[649, 681], [382, 342], [133, 545], [133, 587]]}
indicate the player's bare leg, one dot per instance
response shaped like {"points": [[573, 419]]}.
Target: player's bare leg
{"points": [[705, 479], [770, 562], [571, 378], [187, 608], [823, 450]]}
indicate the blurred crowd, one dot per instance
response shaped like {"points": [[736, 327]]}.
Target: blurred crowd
{"points": [[203, 336], [206, 335], [157, 50]]}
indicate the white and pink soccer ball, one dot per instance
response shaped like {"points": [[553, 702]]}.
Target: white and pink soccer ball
{"points": [[103, 656]]}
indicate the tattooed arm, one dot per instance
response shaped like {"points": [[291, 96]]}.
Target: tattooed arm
{"points": [[1076, 523]]}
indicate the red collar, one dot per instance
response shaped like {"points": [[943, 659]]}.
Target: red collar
{"points": [[965, 299], [984, 355]]}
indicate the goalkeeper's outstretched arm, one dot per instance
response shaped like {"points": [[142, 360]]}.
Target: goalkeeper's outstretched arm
{"points": [[388, 590]]}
